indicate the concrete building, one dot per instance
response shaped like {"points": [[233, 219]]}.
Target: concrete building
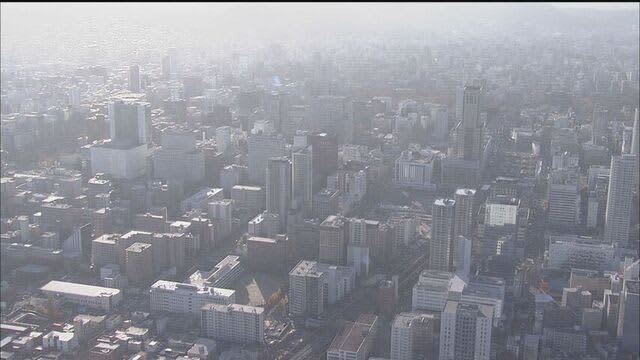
{"points": [[221, 213], [464, 213], [576, 298], [179, 298], [267, 254], [325, 203], [261, 149], [622, 182], [279, 188], [355, 340], [434, 288], [629, 317], [333, 249], [249, 197], [570, 251], [568, 340], [465, 331], [235, 323], [441, 246], [85, 295], [412, 336], [302, 179], [62, 341], [306, 290], [139, 263], [415, 169], [222, 275]]}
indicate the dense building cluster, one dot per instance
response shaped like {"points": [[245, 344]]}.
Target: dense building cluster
{"points": [[406, 196]]}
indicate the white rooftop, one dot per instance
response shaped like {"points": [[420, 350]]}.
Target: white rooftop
{"points": [[70, 288]]}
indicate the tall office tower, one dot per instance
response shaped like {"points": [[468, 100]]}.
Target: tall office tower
{"points": [[325, 157], [412, 336], [622, 183], [223, 138], [468, 134], [440, 120], [441, 247], [332, 114], [129, 122], [276, 106], [302, 178], [242, 324], [261, 149], [134, 78], [629, 316], [279, 188], [465, 331], [635, 138], [139, 263], [333, 247], [459, 102], [564, 198], [465, 218], [178, 159], [221, 212], [166, 67], [599, 125], [462, 259], [306, 294]]}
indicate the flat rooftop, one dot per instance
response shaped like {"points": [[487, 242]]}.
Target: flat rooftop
{"points": [[353, 335], [69, 288], [175, 286], [234, 307]]}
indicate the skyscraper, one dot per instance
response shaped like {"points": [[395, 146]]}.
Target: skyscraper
{"points": [[468, 134], [599, 124], [325, 157], [441, 249], [635, 138], [302, 178], [129, 122], [306, 289], [464, 212], [261, 149], [279, 188], [333, 248], [465, 331], [134, 78], [629, 316], [622, 183]]}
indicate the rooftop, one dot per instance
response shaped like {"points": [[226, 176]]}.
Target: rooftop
{"points": [[61, 287], [234, 307], [353, 335], [182, 287]]}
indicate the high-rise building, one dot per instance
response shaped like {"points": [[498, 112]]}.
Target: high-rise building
{"points": [[629, 316], [412, 336], [464, 214], [306, 289], [221, 212], [465, 331], [623, 181], [441, 247], [333, 114], [468, 134], [139, 263], [635, 138], [134, 78], [129, 122], [564, 199], [302, 179], [235, 323], [325, 156], [333, 247], [279, 188], [178, 159], [223, 138], [599, 125], [261, 149]]}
